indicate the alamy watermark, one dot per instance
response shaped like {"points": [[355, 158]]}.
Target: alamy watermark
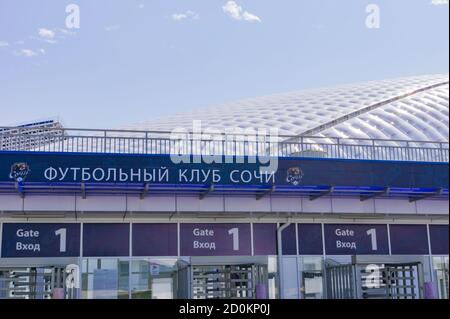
{"points": [[72, 276], [234, 145], [373, 18], [373, 278], [73, 16]]}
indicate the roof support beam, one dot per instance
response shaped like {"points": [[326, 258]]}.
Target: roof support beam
{"points": [[323, 193], [346, 117], [415, 199], [266, 192], [385, 191], [145, 190], [206, 192]]}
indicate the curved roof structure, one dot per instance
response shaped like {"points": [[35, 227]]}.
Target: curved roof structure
{"points": [[411, 108]]}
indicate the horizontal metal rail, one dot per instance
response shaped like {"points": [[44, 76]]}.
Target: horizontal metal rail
{"points": [[159, 142]]}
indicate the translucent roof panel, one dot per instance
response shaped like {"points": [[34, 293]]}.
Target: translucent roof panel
{"points": [[411, 108]]}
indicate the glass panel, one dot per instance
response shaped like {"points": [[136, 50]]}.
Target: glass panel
{"points": [[311, 269], [123, 291], [290, 278], [140, 280], [440, 267], [105, 278], [154, 279]]}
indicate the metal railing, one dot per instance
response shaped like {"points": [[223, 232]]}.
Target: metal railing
{"points": [[158, 142]]}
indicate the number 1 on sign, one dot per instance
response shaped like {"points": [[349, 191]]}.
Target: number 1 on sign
{"points": [[235, 233], [62, 239], [373, 235]]}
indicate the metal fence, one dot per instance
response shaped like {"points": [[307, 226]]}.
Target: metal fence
{"points": [[157, 142]]}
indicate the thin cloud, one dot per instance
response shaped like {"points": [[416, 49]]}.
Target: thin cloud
{"points": [[112, 27], [235, 11], [66, 31], [439, 2], [189, 14], [43, 35], [47, 35], [28, 53], [4, 44]]}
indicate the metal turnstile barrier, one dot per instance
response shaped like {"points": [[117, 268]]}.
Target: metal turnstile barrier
{"points": [[391, 281], [443, 283], [33, 283], [340, 281], [374, 281], [227, 281]]}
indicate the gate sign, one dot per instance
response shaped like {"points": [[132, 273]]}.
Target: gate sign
{"points": [[356, 239], [40, 240], [215, 239]]}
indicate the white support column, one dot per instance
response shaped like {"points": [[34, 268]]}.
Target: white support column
{"points": [[251, 240], [280, 256], [430, 254], [389, 238], [129, 259]]}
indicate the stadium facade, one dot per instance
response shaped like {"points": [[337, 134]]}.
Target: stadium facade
{"points": [[357, 206]]}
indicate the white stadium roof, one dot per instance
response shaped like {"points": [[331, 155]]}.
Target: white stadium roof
{"points": [[399, 119], [411, 108]]}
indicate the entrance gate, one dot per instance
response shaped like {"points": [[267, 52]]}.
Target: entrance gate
{"points": [[374, 281], [243, 281], [33, 283], [340, 281]]}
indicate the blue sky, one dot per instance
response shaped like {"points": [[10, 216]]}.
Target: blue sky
{"points": [[133, 60]]}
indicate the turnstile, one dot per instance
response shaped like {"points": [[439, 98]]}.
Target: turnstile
{"points": [[33, 283], [227, 281], [340, 280], [374, 280], [390, 281], [443, 283]]}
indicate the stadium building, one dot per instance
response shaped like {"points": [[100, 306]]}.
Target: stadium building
{"points": [[348, 199]]}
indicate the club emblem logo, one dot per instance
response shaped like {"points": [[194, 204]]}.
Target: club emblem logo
{"points": [[294, 175], [19, 171]]}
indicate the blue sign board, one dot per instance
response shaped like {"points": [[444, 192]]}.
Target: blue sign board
{"points": [[265, 239], [40, 240], [356, 239], [409, 239], [310, 239], [289, 240], [155, 240], [106, 240], [27, 167], [439, 239], [21, 240], [215, 239]]}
